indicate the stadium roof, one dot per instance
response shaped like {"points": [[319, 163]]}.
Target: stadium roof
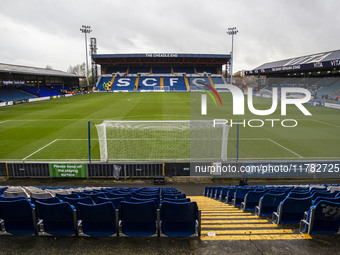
{"points": [[160, 58], [16, 69], [323, 60]]}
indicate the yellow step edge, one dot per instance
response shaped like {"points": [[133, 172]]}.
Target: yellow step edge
{"points": [[236, 221], [227, 226], [236, 217], [255, 237], [249, 232]]}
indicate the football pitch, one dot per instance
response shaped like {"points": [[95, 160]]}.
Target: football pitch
{"points": [[57, 130]]}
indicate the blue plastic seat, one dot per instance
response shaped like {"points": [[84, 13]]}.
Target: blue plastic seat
{"points": [[126, 196], [179, 219], [268, 204], [251, 200], [57, 219], [147, 196], [95, 196], [98, 219], [138, 219], [322, 218], [330, 199], [239, 196], [2, 198], [224, 193], [291, 210], [50, 200], [62, 196], [177, 200], [230, 195], [115, 201], [174, 196], [74, 201], [299, 194], [18, 217], [323, 194]]}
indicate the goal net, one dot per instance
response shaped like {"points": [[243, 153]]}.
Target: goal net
{"points": [[162, 141], [161, 89]]}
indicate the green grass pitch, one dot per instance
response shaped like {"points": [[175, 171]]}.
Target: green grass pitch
{"points": [[56, 130]]}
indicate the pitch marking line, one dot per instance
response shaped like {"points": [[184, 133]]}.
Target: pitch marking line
{"points": [[322, 122], [285, 148], [4, 121], [40, 149]]}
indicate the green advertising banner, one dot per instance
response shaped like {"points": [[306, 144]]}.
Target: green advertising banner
{"points": [[68, 170]]}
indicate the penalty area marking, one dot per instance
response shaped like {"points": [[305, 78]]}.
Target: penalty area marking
{"points": [[40, 149], [285, 148]]}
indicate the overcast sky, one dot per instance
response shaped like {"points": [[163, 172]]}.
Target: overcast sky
{"points": [[46, 32]]}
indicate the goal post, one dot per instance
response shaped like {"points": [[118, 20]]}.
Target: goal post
{"points": [[161, 89], [162, 141]]}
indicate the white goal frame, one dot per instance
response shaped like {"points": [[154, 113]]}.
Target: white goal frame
{"points": [[198, 137]]}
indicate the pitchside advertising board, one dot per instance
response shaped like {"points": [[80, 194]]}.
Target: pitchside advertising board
{"points": [[68, 170], [8, 83]]}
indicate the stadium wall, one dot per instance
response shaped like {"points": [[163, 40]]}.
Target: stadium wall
{"points": [[144, 170]]}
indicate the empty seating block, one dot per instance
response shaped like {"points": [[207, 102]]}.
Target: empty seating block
{"points": [[18, 217], [138, 219], [179, 219], [97, 220], [291, 210], [57, 219], [322, 218]]}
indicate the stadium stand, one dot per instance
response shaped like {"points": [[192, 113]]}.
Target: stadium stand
{"points": [[43, 91], [155, 73], [13, 94]]}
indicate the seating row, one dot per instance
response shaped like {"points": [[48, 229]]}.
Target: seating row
{"points": [[95, 213]]}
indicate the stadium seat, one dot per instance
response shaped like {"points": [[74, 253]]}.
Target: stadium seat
{"points": [[12, 198], [322, 218], [115, 201], [239, 196], [95, 196], [126, 196], [299, 194], [138, 219], [291, 210], [174, 196], [57, 219], [268, 204], [331, 199], [49, 200], [251, 200], [62, 196], [18, 217], [323, 194], [177, 200], [74, 201], [224, 194], [179, 219], [98, 219], [16, 193], [41, 194], [147, 196], [230, 195], [138, 200]]}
